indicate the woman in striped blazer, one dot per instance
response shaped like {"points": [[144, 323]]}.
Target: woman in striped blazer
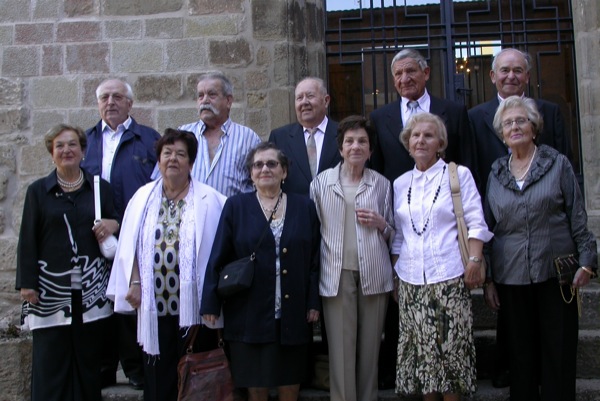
{"points": [[354, 205]]}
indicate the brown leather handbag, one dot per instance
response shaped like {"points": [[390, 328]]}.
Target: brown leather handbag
{"points": [[204, 375]]}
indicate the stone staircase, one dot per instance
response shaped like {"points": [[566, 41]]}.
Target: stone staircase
{"points": [[588, 358]]}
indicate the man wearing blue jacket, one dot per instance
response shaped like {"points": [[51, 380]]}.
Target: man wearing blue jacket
{"points": [[122, 152]]}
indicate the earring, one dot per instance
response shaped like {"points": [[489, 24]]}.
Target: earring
{"points": [[437, 154], [282, 182]]}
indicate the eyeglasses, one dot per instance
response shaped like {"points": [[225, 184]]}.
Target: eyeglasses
{"points": [[271, 164], [520, 122]]}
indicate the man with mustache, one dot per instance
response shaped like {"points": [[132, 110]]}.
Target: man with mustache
{"points": [[222, 144], [122, 152]]}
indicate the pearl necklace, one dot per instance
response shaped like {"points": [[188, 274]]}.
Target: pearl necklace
{"points": [[70, 185], [171, 201], [437, 193], [528, 165]]}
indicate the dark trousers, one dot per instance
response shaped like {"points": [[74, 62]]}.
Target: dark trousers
{"points": [[119, 343], [160, 372], [541, 335], [66, 360], [388, 353]]}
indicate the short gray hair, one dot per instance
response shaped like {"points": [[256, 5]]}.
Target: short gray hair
{"points": [[226, 84], [441, 131], [410, 53], [525, 56], [128, 90], [530, 107]]}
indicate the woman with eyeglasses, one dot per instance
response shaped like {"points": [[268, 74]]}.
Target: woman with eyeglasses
{"points": [[354, 205], [268, 326], [536, 211]]}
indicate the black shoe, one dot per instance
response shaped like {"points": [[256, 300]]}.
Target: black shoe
{"points": [[108, 380], [136, 382], [501, 380]]}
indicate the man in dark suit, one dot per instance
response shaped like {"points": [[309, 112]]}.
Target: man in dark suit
{"points": [[411, 73], [311, 102], [510, 74]]}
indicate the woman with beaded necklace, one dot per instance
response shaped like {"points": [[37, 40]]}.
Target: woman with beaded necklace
{"points": [[168, 230], [61, 274], [268, 326], [436, 352]]}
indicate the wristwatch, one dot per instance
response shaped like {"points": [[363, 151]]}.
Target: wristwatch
{"points": [[474, 259]]}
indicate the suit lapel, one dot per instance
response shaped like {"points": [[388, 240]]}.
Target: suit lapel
{"points": [[329, 149], [393, 121], [299, 154], [490, 112]]}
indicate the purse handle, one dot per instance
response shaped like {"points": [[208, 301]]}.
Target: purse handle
{"points": [[191, 338]]}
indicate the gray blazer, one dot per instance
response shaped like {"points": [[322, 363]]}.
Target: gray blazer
{"points": [[533, 225]]}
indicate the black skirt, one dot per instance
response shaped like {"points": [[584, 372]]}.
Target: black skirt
{"points": [[268, 365]]}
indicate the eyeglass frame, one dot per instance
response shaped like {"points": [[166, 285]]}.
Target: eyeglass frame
{"points": [[271, 164], [519, 121]]}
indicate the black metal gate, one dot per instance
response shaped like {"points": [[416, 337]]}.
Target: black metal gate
{"points": [[459, 39]]}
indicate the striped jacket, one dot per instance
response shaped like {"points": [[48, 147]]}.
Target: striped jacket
{"points": [[374, 192]]}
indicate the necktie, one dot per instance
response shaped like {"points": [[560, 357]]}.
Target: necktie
{"points": [[311, 150], [413, 107]]}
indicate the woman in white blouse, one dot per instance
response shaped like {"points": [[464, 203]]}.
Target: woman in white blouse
{"points": [[436, 352]]}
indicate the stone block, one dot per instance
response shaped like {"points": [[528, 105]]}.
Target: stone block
{"points": [[187, 54], [6, 35], [15, 370], [8, 249], [174, 117], [11, 92], [141, 7], [270, 19], [42, 121], [35, 159], [46, 10], [209, 7], [84, 118], [8, 162], [158, 88], [281, 107], [28, 34], [123, 29], [80, 31], [88, 58], [256, 100], [139, 56], [13, 119], [215, 25], [290, 64], [144, 116], [54, 93], [20, 61], [258, 121], [238, 114], [52, 60], [14, 11], [191, 85], [164, 28], [586, 15], [230, 52], [74, 8], [263, 56], [257, 80]]}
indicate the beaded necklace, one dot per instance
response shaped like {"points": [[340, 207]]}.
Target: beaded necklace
{"points": [[528, 165], [70, 185], [266, 211], [437, 193], [171, 201]]}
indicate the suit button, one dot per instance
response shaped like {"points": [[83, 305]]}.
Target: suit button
{"points": [[284, 250], [284, 271], [287, 296]]}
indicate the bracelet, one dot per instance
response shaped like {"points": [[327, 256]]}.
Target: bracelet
{"points": [[588, 270], [135, 282]]}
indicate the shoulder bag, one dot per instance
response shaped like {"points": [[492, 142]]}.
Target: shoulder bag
{"points": [[463, 238], [238, 275]]}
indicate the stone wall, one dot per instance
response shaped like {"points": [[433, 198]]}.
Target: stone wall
{"points": [[53, 54]]}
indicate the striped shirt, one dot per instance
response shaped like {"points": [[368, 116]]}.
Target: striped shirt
{"points": [[374, 192], [227, 173]]}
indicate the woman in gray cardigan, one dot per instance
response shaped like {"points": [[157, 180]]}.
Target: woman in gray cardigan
{"points": [[536, 211]]}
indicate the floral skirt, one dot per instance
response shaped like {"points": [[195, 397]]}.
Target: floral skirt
{"points": [[436, 352]]}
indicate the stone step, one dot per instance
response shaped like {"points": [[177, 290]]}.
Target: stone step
{"points": [[587, 390], [485, 318]]}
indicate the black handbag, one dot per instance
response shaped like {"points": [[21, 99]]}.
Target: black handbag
{"points": [[237, 276], [566, 267]]}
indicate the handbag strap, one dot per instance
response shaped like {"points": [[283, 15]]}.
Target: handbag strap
{"points": [[455, 188], [268, 225], [191, 338]]}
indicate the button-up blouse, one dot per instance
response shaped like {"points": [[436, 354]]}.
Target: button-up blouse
{"points": [[433, 256]]}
